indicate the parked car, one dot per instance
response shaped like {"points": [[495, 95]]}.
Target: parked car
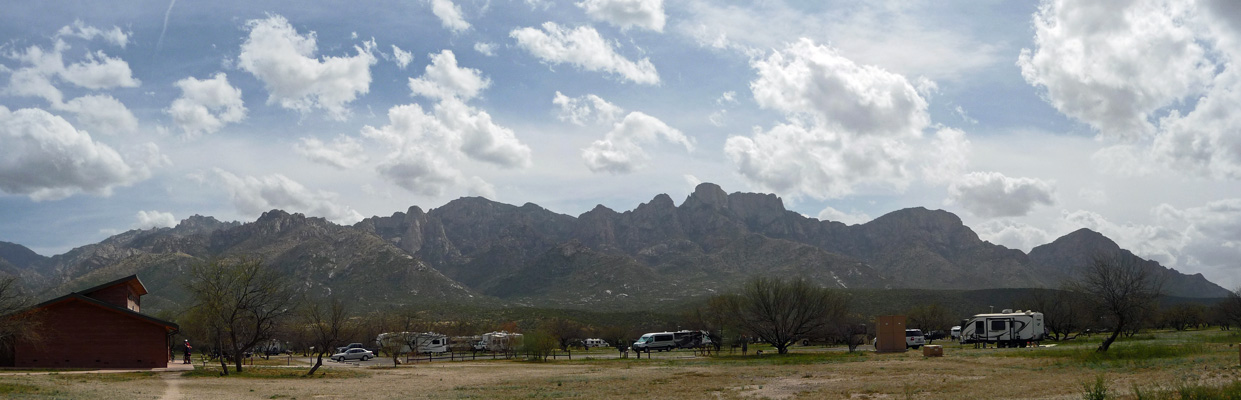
{"points": [[353, 354], [914, 338], [342, 349]]}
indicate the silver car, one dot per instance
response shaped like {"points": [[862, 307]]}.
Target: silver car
{"points": [[353, 354]]}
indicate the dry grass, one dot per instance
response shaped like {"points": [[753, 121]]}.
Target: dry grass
{"points": [[1057, 372]]}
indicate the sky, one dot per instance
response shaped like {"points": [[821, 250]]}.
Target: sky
{"points": [[1028, 119]]}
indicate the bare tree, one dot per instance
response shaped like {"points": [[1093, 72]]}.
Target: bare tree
{"points": [[16, 323], [1123, 289], [240, 302], [930, 318], [1228, 311], [781, 313], [565, 331], [328, 325], [1065, 313], [1183, 316]]}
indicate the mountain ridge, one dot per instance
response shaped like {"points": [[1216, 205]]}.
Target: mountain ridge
{"points": [[477, 250]]}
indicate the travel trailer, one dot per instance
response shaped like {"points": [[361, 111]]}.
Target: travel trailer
{"points": [[421, 342], [691, 339], [588, 343], [498, 341], [1004, 329]]}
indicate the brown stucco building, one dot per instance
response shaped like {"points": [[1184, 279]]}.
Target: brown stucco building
{"points": [[100, 327]]}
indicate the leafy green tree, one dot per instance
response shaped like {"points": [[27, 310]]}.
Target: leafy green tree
{"points": [[538, 345], [239, 303]]}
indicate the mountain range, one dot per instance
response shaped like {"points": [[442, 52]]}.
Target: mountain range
{"points": [[473, 250]]}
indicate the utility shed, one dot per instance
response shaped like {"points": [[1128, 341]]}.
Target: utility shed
{"points": [[99, 327], [890, 333]]}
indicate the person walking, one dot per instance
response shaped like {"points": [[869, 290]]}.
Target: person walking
{"points": [[186, 360]]}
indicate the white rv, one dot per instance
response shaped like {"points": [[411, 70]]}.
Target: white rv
{"points": [[588, 343], [498, 341], [1004, 329], [414, 342]]}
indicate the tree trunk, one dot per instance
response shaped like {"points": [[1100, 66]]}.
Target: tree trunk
{"points": [[237, 360], [1111, 338], [318, 363], [223, 365]]}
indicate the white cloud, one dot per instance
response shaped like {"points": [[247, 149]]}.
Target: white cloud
{"points": [[848, 125], [420, 146], [285, 62], [344, 152], [620, 151], [729, 97], [425, 145], [853, 218], [206, 105], [584, 48], [485, 48], [101, 113], [580, 110], [99, 71], [480, 137], [906, 37], [449, 15], [81, 30], [717, 118], [991, 194], [254, 195], [815, 81], [42, 68], [155, 219], [47, 158], [402, 58], [443, 79], [648, 14], [1113, 65], [1012, 234], [948, 156]]}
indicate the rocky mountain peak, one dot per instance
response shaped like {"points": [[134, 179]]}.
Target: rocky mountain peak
{"points": [[198, 224], [18, 255], [709, 195]]}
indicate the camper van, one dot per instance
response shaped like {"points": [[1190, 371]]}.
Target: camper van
{"points": [[421, 342], [1004, 329], [588, 343], [658, 341]]}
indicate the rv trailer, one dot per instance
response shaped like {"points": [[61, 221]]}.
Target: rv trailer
{"points": [[1004, 329], [414, 342]]}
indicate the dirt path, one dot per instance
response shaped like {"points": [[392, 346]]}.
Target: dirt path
{"points": [[173, 391]]}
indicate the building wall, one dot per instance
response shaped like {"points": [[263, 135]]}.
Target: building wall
{"points": [[80, 335], [120, 295]]}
